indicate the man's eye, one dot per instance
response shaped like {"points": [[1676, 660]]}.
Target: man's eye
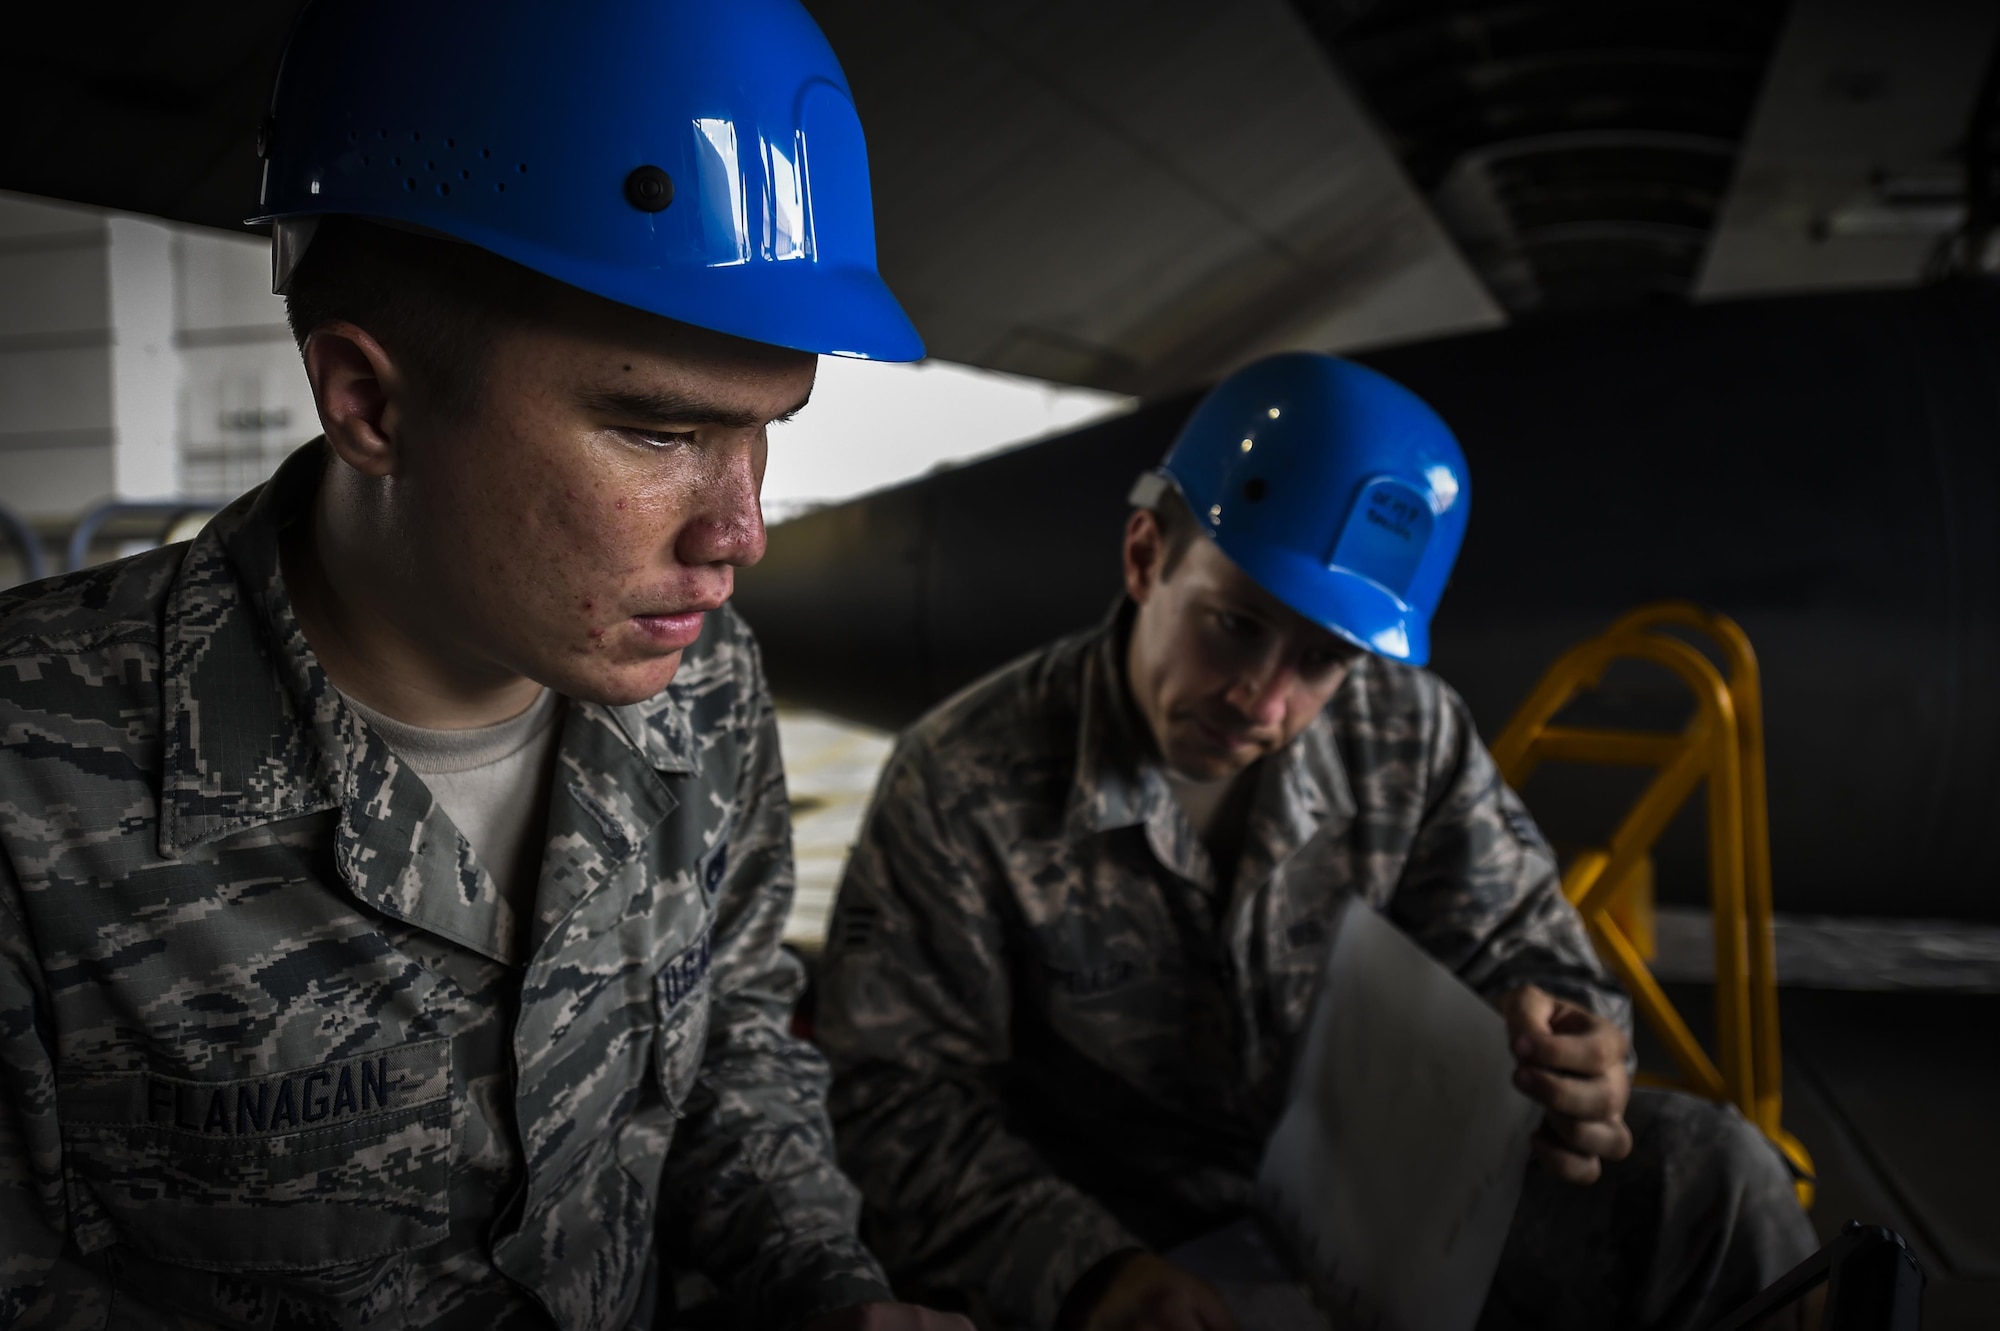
{"points": [[1320, 661], [662, 438], [1234, 625]]}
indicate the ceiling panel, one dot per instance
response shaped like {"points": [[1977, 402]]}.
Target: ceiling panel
{"points": [[1853, 170], [1135, 196]]}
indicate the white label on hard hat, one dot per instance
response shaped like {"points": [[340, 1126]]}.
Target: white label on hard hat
{"points": [[1386, 534]]}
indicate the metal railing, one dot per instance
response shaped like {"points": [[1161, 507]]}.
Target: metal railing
{"points": [[1721, 747], [26, 544], [161, 515]]}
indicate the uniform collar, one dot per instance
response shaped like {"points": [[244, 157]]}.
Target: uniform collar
{"points": [[242, 696], [254, 732], [1120, 780]]}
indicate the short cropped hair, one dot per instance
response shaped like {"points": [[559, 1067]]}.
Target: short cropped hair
{"points": [[1178, 529], [433, 303]]}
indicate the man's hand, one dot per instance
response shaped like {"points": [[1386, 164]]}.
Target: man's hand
{"points": [[1572, 1062], [1149, 1293], [889, 1317]]}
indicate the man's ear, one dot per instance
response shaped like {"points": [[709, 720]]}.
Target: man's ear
{"points": [[362, 396], [1145, 554]]}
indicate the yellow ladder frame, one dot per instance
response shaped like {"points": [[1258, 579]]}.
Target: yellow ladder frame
{"points": [[1723, 746]]}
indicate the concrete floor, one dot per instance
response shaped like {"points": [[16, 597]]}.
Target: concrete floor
{"points": [[830, 771], [1896, 1095]]}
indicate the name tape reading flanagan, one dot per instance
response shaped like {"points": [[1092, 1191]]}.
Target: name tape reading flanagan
{"points": [[342, 1091]]}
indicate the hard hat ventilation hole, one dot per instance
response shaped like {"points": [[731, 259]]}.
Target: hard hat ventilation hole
{"points": [[522, 167], [649, 189], [464, 174], [430, 166], [443, 189], [409, 184], [416, 136], [351, 138], [499, 187], [381, 133], [364, 159], [451, 143], [1253, 489], [396, 160], [486, 152]]}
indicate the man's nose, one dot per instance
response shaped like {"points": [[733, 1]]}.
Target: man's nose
{"points": [[1261, 697], [727, 524]]}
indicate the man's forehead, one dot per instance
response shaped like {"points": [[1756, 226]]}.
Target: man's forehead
{"points": [[682, 397], [1227, 581], [640, 367], [585, 319]]}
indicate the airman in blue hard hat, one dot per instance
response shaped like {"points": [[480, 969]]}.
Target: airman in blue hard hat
{"points": [[1076, 948], [392, 879]]}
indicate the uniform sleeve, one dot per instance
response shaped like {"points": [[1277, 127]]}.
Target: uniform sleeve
{"points": [[1481, 890], [751, 1174], [914, 1014], [32, 1217]]}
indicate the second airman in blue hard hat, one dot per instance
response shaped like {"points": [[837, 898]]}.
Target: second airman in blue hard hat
{"points": [[1077, 945], [391, 891]]}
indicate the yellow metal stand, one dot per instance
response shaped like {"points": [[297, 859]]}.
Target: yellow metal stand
{"points": [[1723, 747]]}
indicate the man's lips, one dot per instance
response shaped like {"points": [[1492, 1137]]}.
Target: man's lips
{"points": [[674, 630], [1228, 740]]}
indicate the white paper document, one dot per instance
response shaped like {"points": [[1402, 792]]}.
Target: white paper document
{"points": [[1394, 1171]]}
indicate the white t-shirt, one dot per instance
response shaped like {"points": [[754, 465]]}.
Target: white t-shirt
{"points": [[492, 782]]}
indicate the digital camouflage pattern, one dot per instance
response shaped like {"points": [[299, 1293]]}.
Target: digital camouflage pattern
{"points": [[274, 1052], [1055, 1035]]}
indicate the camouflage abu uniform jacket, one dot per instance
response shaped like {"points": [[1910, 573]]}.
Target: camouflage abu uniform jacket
{"points": [[274, 1053], [1054, 1036]]}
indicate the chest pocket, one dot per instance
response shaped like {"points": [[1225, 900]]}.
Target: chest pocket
{"points": [[681, 1000], [298, 1170]]}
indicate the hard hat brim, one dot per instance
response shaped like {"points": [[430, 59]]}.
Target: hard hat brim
{"points": [[1342, 602], [831, 311]]}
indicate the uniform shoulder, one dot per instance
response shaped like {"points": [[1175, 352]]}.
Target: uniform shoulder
{"points": [[1384, 685], [72, 613], [1026, 710], [1387, 699]]}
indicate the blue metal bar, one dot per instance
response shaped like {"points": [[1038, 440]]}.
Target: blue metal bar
{"points": [[16, 530], [168, 511]]}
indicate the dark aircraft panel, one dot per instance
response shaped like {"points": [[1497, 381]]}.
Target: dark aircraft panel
{"points": [[1825, 469]]}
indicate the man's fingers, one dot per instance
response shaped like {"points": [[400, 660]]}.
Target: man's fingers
{"points": [[937, 1321], [1183, 1314], [1607, 1138], [1548, 1032], [1578, 1097], [1528, 1011], [1564, 1163], [1210, 1309], [1150, 1294], [1574, 1149], [1192, 1306], [1588, 1053]]}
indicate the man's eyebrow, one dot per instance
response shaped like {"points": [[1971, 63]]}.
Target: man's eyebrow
{"points": [[664, 407]]}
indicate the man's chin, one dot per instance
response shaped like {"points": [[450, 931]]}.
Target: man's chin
{"points": [[623, 684], [1204, 762]]}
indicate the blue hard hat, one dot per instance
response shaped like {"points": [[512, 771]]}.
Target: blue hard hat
{"points": [[697, 159], [1337, 489]]}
